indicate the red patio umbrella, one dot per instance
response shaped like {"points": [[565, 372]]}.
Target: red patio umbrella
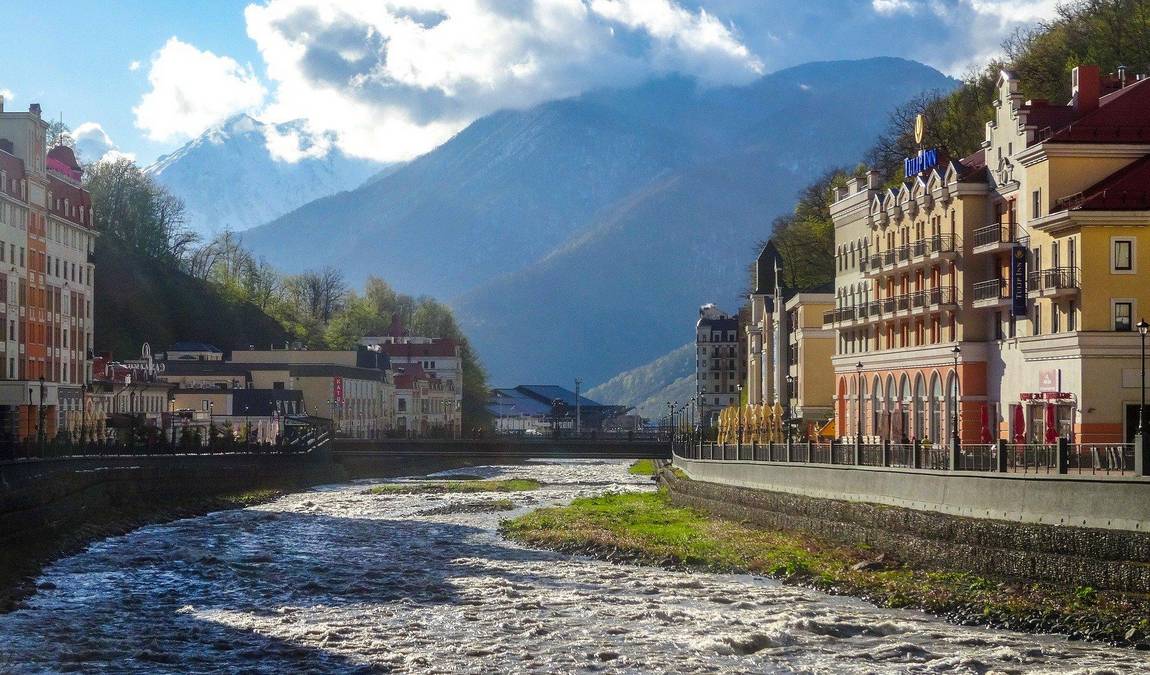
{"points": [[1051, 425], [986, 437], [1019, 425]]}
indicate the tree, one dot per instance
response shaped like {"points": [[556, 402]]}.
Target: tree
{"points": [[131, 207], [59, 134]]}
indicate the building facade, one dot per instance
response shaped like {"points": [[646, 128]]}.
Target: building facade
{"points": [[808, 386], [436, 360], [46, 243], [720, 362], [995, 296]]}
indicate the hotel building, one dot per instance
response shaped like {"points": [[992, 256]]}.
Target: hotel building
{"points": [[787, 345], [1000, 291], [46, 240], [720, 362]]}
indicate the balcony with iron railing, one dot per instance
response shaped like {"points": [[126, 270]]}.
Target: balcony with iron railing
{"points": [[990, 293], [921, 250], [997, 237], [892, 306], [1053, 282]]}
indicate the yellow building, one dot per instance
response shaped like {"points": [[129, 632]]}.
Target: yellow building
{"points": [[809, 384], [999, 292]]}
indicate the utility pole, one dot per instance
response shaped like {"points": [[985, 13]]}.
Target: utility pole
{"points": [[578, 407]]}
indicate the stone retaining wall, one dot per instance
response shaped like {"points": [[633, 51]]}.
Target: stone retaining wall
{"points": [[1069, 556]]}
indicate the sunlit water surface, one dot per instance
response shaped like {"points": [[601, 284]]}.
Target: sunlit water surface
{"points": [[338, 579]]}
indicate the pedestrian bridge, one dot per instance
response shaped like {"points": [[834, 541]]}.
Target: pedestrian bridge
{"points": [[508, 447]]}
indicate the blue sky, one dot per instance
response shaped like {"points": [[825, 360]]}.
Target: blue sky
{"points": [[390, 79]]}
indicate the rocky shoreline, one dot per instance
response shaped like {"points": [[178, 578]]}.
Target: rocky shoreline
{"points": [[619, 535]]}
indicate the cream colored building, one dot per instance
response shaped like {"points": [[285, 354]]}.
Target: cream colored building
{"points": [[933, 324], [809, 382]]}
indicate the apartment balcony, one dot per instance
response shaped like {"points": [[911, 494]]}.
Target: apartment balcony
{"points": [[1054, 282], [991, 293], [892, 307], [997, 238], [936, 247]]}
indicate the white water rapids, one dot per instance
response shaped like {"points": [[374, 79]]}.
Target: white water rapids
{"points": [[340, 580]]}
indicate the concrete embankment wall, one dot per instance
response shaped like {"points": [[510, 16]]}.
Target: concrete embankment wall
{"points": [[1009, 549], [1079, 501]]}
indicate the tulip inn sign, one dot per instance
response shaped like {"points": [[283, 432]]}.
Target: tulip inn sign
{"points": [[925, 160]]}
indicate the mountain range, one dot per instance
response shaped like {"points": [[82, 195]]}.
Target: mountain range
{"points": [[578, 237], [648, 388], [229, 180]]}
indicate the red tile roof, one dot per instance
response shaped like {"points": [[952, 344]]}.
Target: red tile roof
{"points": [[1127, 189], [1122, 116], [440, 347]]}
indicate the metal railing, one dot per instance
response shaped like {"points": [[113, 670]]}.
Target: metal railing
{"points": [[60, 448], [992, 289], [930, 297], [1052, 279], [1083, 459], [1101, 458]]}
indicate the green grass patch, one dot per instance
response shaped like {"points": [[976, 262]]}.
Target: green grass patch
{"points": [[643, 467], [648, 528], [439, 487]]}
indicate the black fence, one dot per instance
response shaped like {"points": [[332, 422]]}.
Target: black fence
{"points": [[1113, 459], [296, 440]]}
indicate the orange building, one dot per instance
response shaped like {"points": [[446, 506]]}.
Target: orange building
{"points": [[46, 240]]}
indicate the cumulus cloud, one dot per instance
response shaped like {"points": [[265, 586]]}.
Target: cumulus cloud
{"points": [[93, 144], [390, 79], [192, 89], [7, 94]]}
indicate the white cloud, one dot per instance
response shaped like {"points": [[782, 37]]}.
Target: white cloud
{"points": [[390, 79], [894, 6], [134, 66], [193, 89], [7, 94], [93, 144]]}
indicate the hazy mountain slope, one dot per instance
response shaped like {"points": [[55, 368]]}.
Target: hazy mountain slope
{"points": [[499, 195], [579, 236], [649, 387], [228, 179], [627, 288]]}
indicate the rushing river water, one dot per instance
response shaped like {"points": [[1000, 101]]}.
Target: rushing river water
{"points": [[338, 579]]}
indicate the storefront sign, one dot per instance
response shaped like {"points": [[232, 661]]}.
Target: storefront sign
{"points": [[337, 388], [923, 161], [1045, 395], [1050, 380], [1018, 281]]}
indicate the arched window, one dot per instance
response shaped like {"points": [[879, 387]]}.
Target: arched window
{"points": [[875, 406], [952, 402], [903, 411], [935, 408], [852, 408], [920, 406], [890, 407], [862, 405]]}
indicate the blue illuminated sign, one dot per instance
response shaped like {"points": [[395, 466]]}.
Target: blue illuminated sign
{"points": [[1018, 281], [925, 160]]}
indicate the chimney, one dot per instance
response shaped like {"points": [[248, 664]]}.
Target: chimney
{"points": [[34, 109], [1, 103], [1086, 86], [874, 179], [1121, 76]]}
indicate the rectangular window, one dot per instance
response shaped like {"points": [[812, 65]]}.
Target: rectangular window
{"points": [[1036, 322], [1123, 310], [1055, 319], [1071, 319], [1123, 260], [1036, 204], [998, 326]]}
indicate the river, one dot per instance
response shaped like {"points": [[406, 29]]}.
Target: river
{"points": [[338, 579]]}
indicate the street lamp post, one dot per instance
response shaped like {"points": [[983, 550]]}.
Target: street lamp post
{"points": [[790, 408], [1141, 456], [956, 438], [858, 402], [578, 407], [739, 402]]}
